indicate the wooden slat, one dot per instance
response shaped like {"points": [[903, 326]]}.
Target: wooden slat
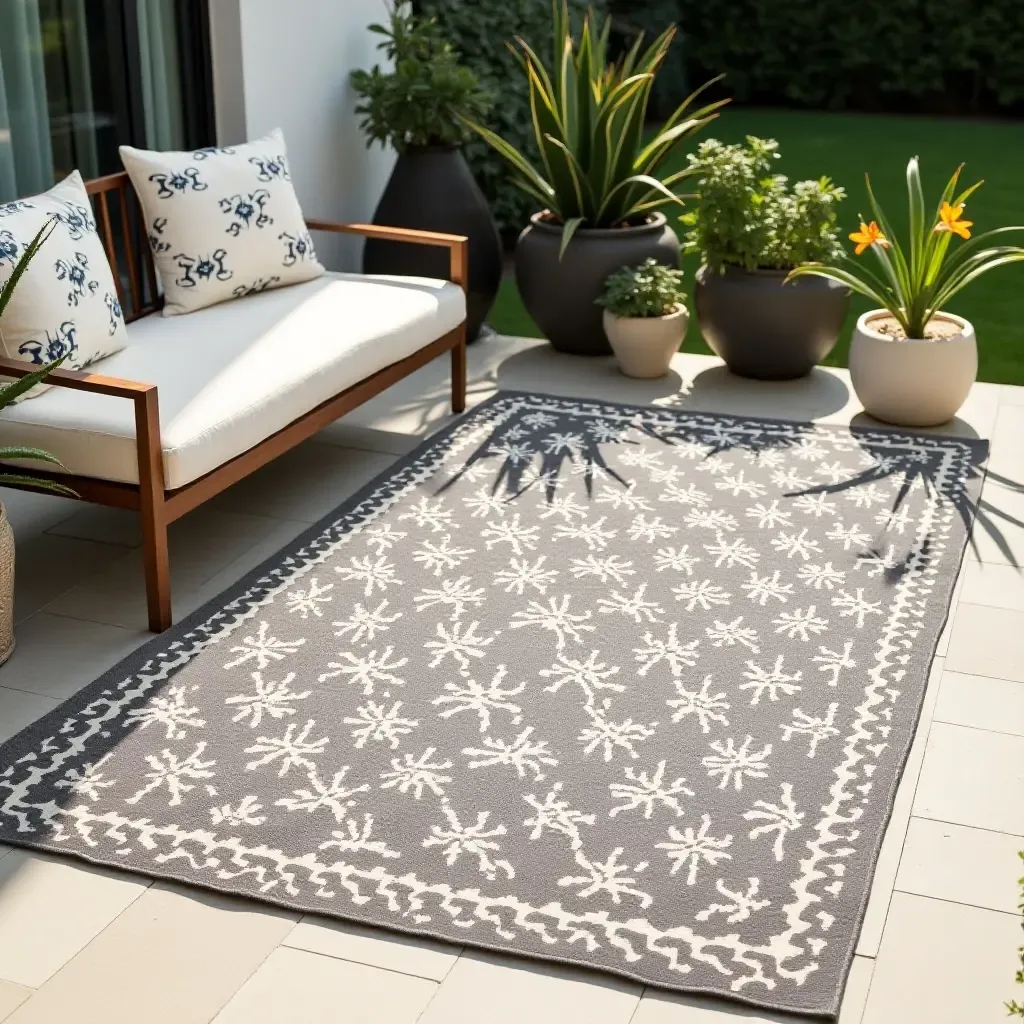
{"points": [[411, 235], [186, 498], [129, 251], [107, 236]]}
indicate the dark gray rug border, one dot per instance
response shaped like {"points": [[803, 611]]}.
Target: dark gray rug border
{"points": [[37, 730]]}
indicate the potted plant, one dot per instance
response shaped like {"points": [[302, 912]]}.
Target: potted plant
{"points": [[8, 394], [751, 228], [416, 107], [644, 317], [911, 361], [601, 177]]}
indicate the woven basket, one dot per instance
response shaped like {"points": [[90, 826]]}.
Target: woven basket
{"points": [[6, 586]]}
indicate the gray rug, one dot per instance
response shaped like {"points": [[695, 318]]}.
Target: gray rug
{"points": [[629, 688]]}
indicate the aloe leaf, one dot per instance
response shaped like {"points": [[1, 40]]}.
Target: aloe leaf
{"points": [[36, 484], [26, 258]]}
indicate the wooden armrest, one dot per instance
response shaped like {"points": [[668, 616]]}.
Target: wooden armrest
{"points": [[78, 381], [457, 245]]}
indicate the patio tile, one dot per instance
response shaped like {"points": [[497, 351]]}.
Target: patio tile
{"points": [[202, 543], [943, 963], [987, 642], [1010, 394], [18, 709], [49, 566], [514, 991], [296, 987], [1006, 458], [998, 534], [31, 512], [11, 997], [892, 843], [55, 655], [996, 704], [374, 947], [306, 483], [51, 908], [960, 864], [668, 1008], [972, 777], [99, 523], [173, 957], [994, 585]]}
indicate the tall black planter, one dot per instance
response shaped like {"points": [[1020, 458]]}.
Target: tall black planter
{"points": [[432, 188], [560, 292]]}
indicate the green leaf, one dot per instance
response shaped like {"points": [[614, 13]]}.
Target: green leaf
{"points": [[9, 454], [570, 228], [29, 254], [17, 388], [36, 484]]}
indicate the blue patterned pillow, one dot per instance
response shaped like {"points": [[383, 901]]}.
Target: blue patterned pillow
{"points": [[222, 223], [66, 304]]}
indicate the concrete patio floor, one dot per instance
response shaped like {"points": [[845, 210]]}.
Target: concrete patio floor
{"points": [[88, 945]]}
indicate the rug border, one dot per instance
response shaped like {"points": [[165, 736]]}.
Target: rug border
{"points": [[132, 663]]}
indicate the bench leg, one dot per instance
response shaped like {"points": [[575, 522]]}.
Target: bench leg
{"points": [[459, 372], [152, 511], [158, 573]]}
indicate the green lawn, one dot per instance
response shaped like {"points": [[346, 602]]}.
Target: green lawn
{"points": [[844, 146]]}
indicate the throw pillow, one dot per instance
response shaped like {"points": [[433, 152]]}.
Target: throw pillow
{"points": [[66, 303], [222, 223]]}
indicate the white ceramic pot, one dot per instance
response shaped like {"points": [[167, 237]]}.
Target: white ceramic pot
{"points": [[644, 345], [912, 382]]}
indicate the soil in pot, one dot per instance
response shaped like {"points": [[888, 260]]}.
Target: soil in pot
{"points": [[433, 189], [935, 328], [765, 328], [561, 293]]}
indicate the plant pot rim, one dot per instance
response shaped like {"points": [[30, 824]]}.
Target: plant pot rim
{"points": [[412, 149], [864, 326], [656, 223], [735, 268], [678, 312]]}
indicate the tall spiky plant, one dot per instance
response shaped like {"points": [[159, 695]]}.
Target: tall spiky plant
{"points": [[9, 392], [916, 279], [598, 169]]}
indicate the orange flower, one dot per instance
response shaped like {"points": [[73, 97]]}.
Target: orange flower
{"points": [[951, 219], [869, 234]]}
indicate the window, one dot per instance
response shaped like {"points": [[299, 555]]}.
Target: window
{"points": [[80, 77]]}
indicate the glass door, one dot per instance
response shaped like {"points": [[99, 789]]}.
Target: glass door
{"points": [[80, 77]]}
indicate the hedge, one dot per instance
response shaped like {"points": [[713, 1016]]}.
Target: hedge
{"points": [[928, 56]]}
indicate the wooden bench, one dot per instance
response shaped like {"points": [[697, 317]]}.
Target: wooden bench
{"points": [[120, 226]]}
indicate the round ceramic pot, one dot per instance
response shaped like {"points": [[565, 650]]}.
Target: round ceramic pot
{"points": [[912, 382], [764, 328], [561, 293], [6, 586], [644, 346], [433, 189]]}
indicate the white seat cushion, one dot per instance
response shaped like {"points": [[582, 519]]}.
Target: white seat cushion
{"points": [[233, 374]]}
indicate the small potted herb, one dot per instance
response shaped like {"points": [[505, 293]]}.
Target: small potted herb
{"points": [[911, 361], [751, 228], [415, 105], [644, 317]]}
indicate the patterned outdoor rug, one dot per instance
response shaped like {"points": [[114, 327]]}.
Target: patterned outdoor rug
{"points": [[625, 687]]}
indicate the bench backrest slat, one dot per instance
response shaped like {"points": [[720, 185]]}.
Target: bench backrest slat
{"points": [[125, 241]]}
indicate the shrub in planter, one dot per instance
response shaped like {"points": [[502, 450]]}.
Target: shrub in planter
{"points": [[751, 227], [416, 107], [600, 180], [644, 317], [911, 361], [10, 393]]}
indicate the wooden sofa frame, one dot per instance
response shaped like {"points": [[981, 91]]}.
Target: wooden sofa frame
{"points": [[158, 506]]}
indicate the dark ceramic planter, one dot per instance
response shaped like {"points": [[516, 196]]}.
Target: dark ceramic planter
{"points": [[765, 329], [561, 294], [433, 189]]}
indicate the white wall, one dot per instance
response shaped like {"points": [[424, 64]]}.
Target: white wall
{"points": [[286, 64]]}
